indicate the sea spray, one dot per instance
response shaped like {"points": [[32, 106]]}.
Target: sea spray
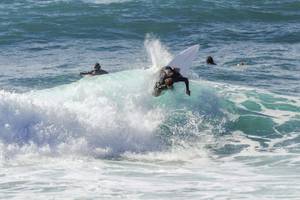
{"points": [[158, 53]]}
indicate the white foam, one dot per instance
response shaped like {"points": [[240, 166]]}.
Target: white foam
{"points": [[114, 119]]}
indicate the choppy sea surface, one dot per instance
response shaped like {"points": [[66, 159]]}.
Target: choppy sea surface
{"points": [[106, 137]]}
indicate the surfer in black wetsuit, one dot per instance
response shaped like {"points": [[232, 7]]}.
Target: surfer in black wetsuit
{"points": [[97, 71], [210, 61], [168, 76]]}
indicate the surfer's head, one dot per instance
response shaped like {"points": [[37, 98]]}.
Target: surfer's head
{"points": [[169, 71], [97, 66], [169, 82], [210, 61]]}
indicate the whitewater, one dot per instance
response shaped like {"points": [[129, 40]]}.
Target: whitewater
{"points": [[63, 136]]}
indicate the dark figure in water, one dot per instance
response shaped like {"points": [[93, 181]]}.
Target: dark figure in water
{"points": [[168, 76], [97, 71], [210, 61]]}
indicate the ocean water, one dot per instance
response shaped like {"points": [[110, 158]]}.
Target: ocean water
{"points": [[106, 137]]}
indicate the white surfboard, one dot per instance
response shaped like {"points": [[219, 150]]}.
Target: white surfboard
{"points": [[184, 59]]}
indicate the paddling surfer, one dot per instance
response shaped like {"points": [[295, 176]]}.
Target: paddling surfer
{"points": [[97, 71]]}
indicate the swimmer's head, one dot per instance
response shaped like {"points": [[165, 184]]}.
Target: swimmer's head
{"points": [[210, 61], [97, 66]]}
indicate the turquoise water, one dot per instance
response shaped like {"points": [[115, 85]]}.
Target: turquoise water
{"points": [[67, 137]]}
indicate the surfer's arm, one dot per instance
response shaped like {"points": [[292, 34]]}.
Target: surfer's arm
{"points": [[86, 73], [83, 73], [186, 81]]}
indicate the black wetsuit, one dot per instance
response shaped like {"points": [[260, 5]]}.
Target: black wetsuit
{"points": [[168, 72], [94, 72], [177, 77]]}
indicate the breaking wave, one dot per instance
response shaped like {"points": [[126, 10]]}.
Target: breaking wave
{"points": [[115, 115]]}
